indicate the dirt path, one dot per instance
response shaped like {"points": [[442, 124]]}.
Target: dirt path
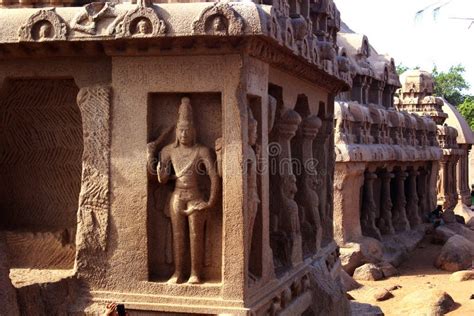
{"points": [[418, 272]]}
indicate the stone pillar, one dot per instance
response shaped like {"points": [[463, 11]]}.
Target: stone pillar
{"points": [[422, 193], [285, 227], [307, 196], [348, 181], [463, 191], [369, 208], [400, 221], [442, 184], [385, 224], [412, 199]]}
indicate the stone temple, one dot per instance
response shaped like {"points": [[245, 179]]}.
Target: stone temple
{"points": [[212, 158]]}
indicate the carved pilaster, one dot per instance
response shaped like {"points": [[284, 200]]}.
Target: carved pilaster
{"points": [[94, 202], [422, 185], [412, 199], [285, 227], [307, 196], [369, 208], [385, 222], [400, 221]]}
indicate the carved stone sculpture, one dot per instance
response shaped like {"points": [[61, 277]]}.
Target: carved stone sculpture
{"points": [[307, 197], [43, 25], [369, 208], [183, 161], [253, 198], [220, 19]]}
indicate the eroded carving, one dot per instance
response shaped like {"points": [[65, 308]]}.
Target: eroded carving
{"points": [[220, 19], [141, 22], [86, 20], [43, 25], [184, 161]]}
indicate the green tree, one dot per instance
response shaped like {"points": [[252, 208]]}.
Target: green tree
{"points": [[451, 84], [467, 110], [401, 68]]}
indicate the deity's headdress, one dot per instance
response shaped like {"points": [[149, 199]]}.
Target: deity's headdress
{"points": [[185, 116], [185, 113]]}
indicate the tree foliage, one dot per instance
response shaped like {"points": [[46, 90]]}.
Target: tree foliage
{"points": [[451, 84], [467, 110]]}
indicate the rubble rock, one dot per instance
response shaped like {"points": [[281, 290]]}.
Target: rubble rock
{"points": [[329, 298], [457, 254], [394, 287], [368, 272], [426, 302], [465, 211], [448, 216], [361, 309], [382, 295], [441, 234], [387, 269], [462, 276], [353, 255]]}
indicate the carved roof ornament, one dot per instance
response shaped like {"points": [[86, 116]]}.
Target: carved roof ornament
{"points": [[43, 25], [143, 21], [89, 15], [220, 19]]}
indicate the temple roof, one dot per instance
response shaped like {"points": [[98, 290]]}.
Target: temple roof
{"points": [[456, 120]]}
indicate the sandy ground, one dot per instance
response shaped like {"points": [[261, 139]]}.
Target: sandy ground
{"points": [[418, 272]]}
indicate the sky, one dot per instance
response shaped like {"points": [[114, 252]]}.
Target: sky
{"points": [[393, 28]]}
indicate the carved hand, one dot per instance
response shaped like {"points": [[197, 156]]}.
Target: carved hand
{"points": [[200, 206]]}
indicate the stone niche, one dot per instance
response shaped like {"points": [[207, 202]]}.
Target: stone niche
{"points": [[162, 114], [40, 166]]}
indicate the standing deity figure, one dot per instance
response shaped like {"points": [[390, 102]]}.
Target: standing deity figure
{"points": [[253, 198], [185, 161]]}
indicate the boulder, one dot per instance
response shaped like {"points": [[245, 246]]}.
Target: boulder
{"points": [[382, 295], [348, 283], [457, 254], [394, 287], [465, 211], [361, 309], [426, 302], [387, 269], [368, 272], [448, 216], [462, 276], [353, 255], [441, 234]]}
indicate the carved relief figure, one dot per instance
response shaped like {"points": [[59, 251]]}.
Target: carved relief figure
{"points": [[183, 161], [86, 20], [253, 198], [219, 26]]}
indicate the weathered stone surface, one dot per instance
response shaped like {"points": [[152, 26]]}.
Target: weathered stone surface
{"points": [[361, 309], [382, 295], [448, 216], [394, 287], [368, 272], [457, 254], [348, 283], [387, 269], [329, 297], [460, 276], [8, 299], [427, 302], [353, 255]]}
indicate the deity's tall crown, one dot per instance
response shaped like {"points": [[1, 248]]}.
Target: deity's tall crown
{"points": [[185, 113]]}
